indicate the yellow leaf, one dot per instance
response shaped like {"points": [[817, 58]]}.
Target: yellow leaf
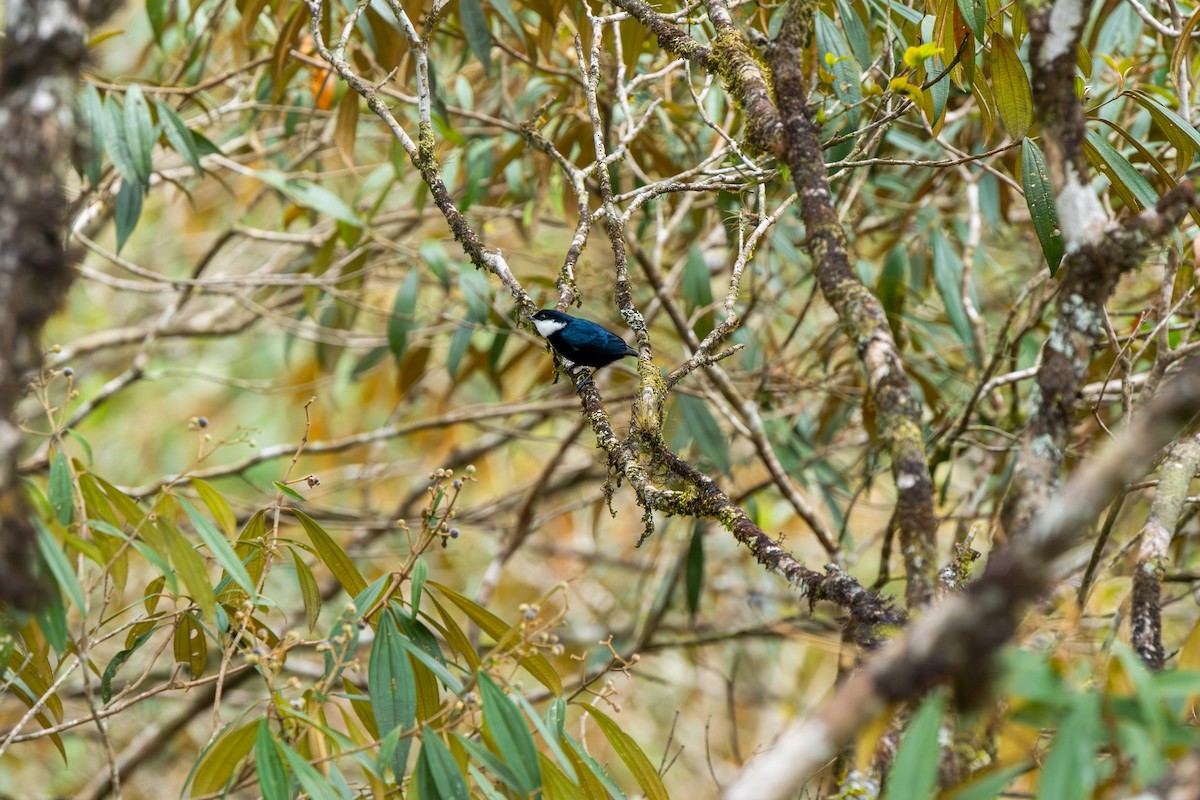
{"points": [[915, 56]]}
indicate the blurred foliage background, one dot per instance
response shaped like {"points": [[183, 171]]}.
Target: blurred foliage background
{"points": [[269, 300]]}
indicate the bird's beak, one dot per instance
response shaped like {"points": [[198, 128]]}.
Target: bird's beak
{"points": [[529, 317]]}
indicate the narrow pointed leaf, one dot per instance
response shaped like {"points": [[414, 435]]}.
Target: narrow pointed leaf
{"points": [[1039, 196], [272, 777], [220, 548], [511, 734], [1010, 84], [62, 495], [59, 566], [442, 773], [392, 685], [332, 555], [632, 755], [914, 773]]}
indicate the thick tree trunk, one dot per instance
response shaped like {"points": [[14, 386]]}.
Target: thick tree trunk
{"points": [[45, 44]]}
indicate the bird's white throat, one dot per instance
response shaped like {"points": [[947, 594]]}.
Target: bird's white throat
{"points": [[547, 327]]}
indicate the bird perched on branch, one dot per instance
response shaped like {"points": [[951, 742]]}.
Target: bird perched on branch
{"points": [[580, 342]]}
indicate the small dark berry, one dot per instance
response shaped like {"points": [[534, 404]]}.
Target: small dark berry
{"points": [[202, 422], [68, 372], [454, 533]]}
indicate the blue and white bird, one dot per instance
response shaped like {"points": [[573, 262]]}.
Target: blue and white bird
{"points": [[580, 342]]}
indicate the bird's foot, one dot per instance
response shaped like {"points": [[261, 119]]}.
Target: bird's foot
{"points": [[587, 378]]}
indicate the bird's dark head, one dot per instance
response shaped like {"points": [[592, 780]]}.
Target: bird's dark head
{"points": [[548, 321]]}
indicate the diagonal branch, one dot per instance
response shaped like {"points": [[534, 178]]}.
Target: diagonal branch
{"points": [[954, 641], [1098, 254], [1174, 477], [859, 311]]}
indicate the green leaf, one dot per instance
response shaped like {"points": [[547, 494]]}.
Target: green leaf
{"points": [[309, 195], [289, 491], [475, 26], [1135, 191], [697, 284], [60, 568], [91, 108], [310, 592], [448, 679], [1039, 196], [939, 92], [115, 143], [52, 620], [558, 784], [87, 447], [505, 10], [988, 784], [272, 777], [1069, 771], [128, 212], [845, 68], [393, 688], [915, 770], [491, 761], [1183, 135], [220, 548], [190, 567], [156, 13], [420, 573], [458, 347], [694, 571], [892, 287], [217, 505], [947, 275], [493, 626], [118, 661], [594, 768], [633, 757], [217, 766], [975, 15], [1010, 85], [700, 426], [856, 32], [178, 135], [510, 734], [551, 729], [62, 492], [309, 778], [438, 774], [139, 133], [334, 556], [403, 310]]}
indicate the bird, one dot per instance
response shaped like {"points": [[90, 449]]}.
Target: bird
{"points": [[580, 342]]}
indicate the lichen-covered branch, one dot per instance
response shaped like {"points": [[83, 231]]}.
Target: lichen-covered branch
{"points": [[44, 47], [730, 57], [859, 311], [954, 642], [871, 616], [1097, 255], [635, 458], [420, 151], [1174, 477]]}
